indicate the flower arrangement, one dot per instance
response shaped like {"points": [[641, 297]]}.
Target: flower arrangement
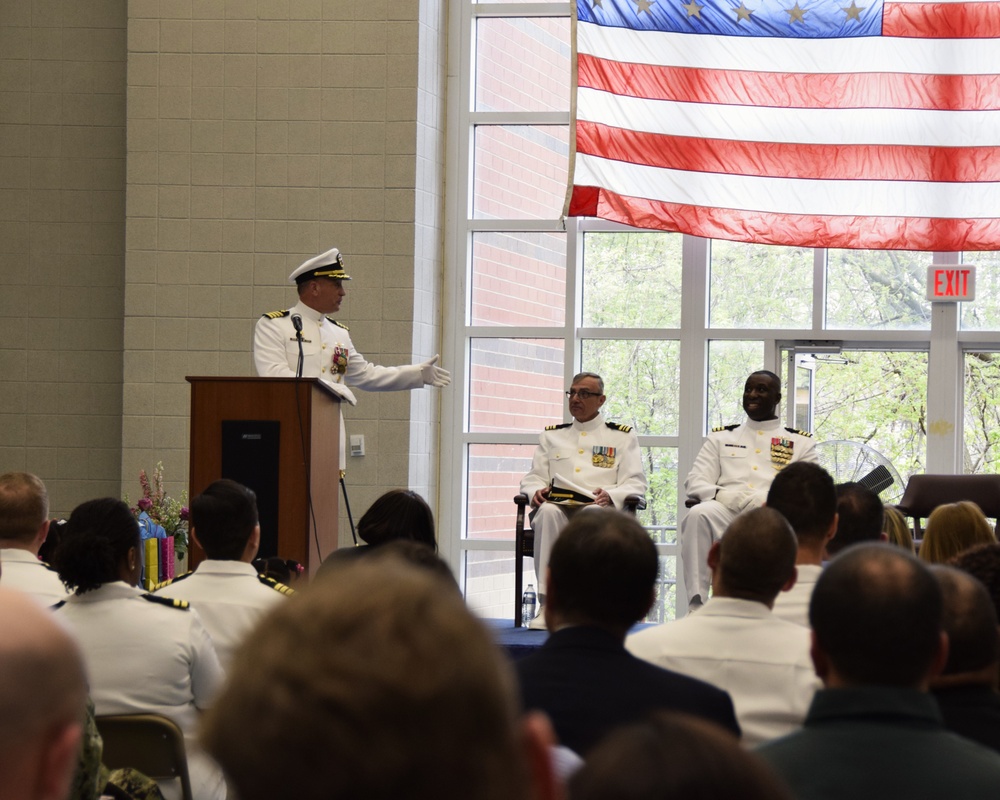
{"points": [[169, 513]]}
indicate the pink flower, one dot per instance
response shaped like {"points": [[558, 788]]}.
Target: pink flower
{"points": [[145, 504], [185, 513]]}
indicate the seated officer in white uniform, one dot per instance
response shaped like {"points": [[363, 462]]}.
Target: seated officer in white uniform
{"points": [[24, 526], [599, 456], [327, 350], [733, 472], [224, 588]]}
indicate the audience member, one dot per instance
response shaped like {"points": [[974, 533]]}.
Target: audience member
{"points": [[24, 524], [591, 454], [859, 517], [874, 731], [982, 562], [145, 654], [966, 690], [733, 472], [735, 642], [804, 494], [952, 528], [225, 588], [896, 530], [42, 701], [673, 756], [284, 570], [379, 685], [602, 580]]}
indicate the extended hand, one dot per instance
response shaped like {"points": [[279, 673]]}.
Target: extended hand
{"points": [[433, 375]]}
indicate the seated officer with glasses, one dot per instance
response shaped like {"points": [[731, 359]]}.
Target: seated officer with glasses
{"points": [[599, 457]]}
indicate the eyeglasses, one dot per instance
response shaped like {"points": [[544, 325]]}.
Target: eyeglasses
{"points": [[583, 394]]}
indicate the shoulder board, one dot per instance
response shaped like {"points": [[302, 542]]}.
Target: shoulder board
{"points": [[278, 587], [800, 433], [276, 314], [172, 580], [49, 567], [184, 605], [338, 324], [57, 606], [558, 427], [616, 427], [725, 428]]}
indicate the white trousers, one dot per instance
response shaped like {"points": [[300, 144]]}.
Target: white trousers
{"points": [[703, 525], [547, 521]]}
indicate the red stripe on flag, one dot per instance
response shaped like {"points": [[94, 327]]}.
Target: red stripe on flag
{"points": [[780, 160], [942, 20], [890, 233], [728, 87]]}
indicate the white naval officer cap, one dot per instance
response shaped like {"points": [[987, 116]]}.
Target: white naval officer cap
{"points": [[326, 265]]}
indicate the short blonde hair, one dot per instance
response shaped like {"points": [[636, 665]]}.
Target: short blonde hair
{"points": [[894, 525], [953, 528], [24, 506]]}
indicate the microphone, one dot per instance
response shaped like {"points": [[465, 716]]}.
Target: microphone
{"points": [[297, 324]]}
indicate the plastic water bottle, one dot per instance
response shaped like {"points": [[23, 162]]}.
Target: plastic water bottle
{"points": [[528, 601]]}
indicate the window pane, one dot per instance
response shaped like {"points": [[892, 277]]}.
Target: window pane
{"points": [[983, 313], [665, 606], [518, 279], [729, 366], [520, 171], [632, 280], [760, 286], [515, 384], [660, 514], [522, 64], [877, 398], [982, 412], [641, 380], [877, 289], [495, 472]]}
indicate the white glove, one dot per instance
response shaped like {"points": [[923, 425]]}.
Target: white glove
{"points": [[434, 376]]}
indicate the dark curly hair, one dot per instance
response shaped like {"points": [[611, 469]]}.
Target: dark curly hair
{"points": [[96, 539]]}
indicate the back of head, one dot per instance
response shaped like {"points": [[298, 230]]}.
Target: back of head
{"points": [[24, 506], [379, 684], [756, 556], [603, 570], [805, 496], [876, 613], [970, 622], [859, 517], [95, 541], [896, 529], [224, 517], [398, 514], [673, 757], [983, 563], [44, 687], [952, 528]]}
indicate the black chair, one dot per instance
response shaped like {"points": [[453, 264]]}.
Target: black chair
{"points": [[924, 493], [524, 544]]}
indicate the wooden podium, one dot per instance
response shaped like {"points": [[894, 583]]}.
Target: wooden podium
{"points": [[280, 437]]}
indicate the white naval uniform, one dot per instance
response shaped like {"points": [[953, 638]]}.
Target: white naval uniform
{"points": [[144, 656], [327, 353], [743, 460], [230, 597], [593, 454], [22, 570]]}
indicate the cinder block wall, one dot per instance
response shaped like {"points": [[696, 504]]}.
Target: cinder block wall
{"points": [[62, 236]]}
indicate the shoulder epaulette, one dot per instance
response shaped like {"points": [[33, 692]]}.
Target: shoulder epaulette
{"points": [[57, 606], [338, 324], [276, 314], [617, 427], [172, 580], [184, 605], [725, 428], [558, 427], [49, 567], [278, 587], [800, 433]]}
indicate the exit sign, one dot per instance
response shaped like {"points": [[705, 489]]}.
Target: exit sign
{"points": [[951, 283]]}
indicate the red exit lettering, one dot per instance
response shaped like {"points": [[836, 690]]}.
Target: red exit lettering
{"points": [[951, 283]]}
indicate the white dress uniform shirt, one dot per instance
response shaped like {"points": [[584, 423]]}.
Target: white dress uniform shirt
{"points": [[593, 454], [144, 656], [732, 472], [230, 597], [740, 646], [793, 605], [23, 571]]}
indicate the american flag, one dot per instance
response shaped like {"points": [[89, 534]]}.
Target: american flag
{"points": [[797, 122]]}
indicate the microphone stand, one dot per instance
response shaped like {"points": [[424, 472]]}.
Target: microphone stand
{"points": [[297, 323]]}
